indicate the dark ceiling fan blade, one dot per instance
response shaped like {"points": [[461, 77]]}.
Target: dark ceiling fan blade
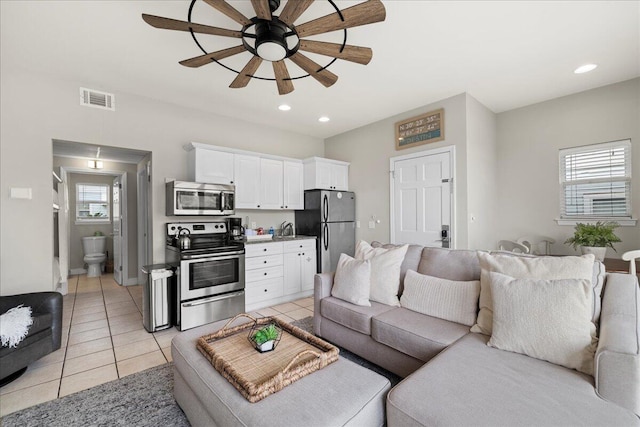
{"points": [[244, 76], [361, 55], [201, 60], [285, 85], [361, 14], [262, 9], [326, 77], [293, 9], [174, 24], [230, 11]]}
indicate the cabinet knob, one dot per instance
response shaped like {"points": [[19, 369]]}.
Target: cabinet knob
{"points": [[265, 274], [265, 261], [258, 205], [230, 182], [265, 249], [281, 207], [265, 290]]}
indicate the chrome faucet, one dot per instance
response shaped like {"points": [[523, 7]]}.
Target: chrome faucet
{"points": [[284, 227]]}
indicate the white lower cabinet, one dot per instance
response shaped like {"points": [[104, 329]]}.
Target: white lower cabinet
{"points": [[278, 272], [299, 266]]}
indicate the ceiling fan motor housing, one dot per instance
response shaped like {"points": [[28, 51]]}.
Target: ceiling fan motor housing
{"points": [[271, 43]]}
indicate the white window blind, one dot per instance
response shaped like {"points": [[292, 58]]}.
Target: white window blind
{"points": [[596, 181], [92, 202]]}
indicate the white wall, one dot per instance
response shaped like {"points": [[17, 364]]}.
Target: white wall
{"points": [[35, 109], [528, 142], [369, 149], [482, 175]]}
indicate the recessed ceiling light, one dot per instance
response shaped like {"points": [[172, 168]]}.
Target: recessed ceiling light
{"points": [[585, 68], [284, 107], [324, 119]]}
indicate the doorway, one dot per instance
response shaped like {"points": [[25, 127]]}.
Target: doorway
{"points": [[422, 194], [118, 170]]}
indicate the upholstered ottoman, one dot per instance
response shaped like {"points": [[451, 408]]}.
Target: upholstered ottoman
{"points": [[341, 394]]}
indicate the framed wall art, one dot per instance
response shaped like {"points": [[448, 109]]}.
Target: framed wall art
{"points": [[423, 129]]}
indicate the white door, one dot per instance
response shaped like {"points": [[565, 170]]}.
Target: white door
{"points": [[422, 187], [144, 251], [119, 229]]}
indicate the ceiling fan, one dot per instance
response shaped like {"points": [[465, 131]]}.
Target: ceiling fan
{"points": [[275, 38]]}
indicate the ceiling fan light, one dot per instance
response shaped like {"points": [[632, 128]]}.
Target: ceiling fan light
{"points": [[324, 119], [271, 51], [284, 107], [585, 68]]}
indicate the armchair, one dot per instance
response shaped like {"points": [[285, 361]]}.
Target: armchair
{"points": [[44, 336]]}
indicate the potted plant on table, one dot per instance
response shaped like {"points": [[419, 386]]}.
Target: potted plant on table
{"points": [[266, 338], [594, 238]]}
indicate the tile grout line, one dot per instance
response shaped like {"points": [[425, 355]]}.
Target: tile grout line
{"points": [[113, 347], [66, 348]]}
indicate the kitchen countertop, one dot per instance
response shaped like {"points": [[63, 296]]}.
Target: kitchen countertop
{"points": [[276, 239]]}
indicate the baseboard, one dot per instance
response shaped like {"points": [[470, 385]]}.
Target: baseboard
{"points": [[131, 281], [77, 271]]}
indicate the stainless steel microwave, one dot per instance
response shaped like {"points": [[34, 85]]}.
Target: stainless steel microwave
{"points": [[193, 198]]}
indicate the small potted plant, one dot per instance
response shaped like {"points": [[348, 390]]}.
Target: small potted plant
{"points": [[265, 338], [594, 238]]}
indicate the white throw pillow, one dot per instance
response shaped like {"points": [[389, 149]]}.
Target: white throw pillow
{"points": [[351, 281], [385, 271], [548, 268], [545, 319], [451, 300]]}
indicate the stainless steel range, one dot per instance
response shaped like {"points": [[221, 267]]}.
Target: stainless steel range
{"points": [[210, 272]]}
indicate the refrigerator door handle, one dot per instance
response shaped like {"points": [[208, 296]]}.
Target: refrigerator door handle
{"points": [[325, 236], [325, 209]]}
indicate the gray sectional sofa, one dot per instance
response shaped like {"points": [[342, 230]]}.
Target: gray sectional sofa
{"points": [[452, 377]]}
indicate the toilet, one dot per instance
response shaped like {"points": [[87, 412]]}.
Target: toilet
{"points": [[94, 248]]}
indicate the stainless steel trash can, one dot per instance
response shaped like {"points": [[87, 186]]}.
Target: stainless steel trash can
{"points": [[156, 297]]}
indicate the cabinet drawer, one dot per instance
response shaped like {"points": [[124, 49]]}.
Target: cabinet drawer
{"points": [[263, 290], [258, 249], [300, 245], [262, 273], [262, 262]]}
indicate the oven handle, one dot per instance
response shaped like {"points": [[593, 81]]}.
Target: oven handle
{"points": [[212, 299], [221, 256]]}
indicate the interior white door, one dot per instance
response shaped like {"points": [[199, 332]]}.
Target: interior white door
{"points": [[422, 194], [117, 229]]}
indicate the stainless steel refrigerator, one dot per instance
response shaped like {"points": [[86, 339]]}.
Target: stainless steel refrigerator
{"points": [[330, 216]]}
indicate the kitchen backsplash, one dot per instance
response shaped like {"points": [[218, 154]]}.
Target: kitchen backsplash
{"points": [[265, 219]]}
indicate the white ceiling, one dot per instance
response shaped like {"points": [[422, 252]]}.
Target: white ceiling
{"points": [[505, 54]]}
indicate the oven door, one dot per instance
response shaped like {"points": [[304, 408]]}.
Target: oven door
{"points": [[213, 275]]}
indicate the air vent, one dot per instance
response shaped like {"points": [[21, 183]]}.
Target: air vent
{"points": [[97, 99]]}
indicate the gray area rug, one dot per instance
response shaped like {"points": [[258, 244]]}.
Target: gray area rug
{"points": [[142, 399]]}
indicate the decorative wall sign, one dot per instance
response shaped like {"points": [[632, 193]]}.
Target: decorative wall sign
{"points": [[420, 130]]}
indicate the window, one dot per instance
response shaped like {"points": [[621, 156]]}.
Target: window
{"points": [[92, 203], [596, 181]]}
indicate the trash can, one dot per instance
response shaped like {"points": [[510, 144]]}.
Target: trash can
{"points": [[156, 297]]}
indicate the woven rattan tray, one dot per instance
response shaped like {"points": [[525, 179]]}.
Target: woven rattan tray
{"points": [[257, 375]]}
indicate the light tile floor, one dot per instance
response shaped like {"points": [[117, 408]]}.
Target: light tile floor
{"points": [[102, 340]]}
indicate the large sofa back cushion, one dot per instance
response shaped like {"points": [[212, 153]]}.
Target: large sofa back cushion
{"points": [[549, 268], [410, 262], [451, 264], [456, 301], [355, 317]]}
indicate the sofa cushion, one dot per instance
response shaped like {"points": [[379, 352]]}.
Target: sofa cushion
{"points": [[471, 384], [452, 264], [456, 301], [352, 316], [352, 280], [385, 271], [410, 262], [415, 334], [545, 319], [552, 268]]}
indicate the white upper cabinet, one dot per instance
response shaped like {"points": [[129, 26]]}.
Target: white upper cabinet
{"points": [[247, 180], [262, 181], [271, 187], [293, 185], [210, 166], [326, 174]]}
